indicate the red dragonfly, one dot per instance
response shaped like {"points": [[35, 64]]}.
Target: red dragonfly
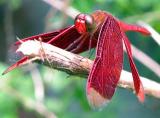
{"points": [[107, 34]]}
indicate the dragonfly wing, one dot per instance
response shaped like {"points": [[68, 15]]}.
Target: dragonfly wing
{"points": [[107, 66], [44, 36], [129, 27], [23, 61], [136, 79], [62, 41]]}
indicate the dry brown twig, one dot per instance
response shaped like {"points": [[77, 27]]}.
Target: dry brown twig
{"points": [[78, 65]]}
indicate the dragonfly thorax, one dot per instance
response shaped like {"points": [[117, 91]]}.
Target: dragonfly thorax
{"points": [[84, 23]]}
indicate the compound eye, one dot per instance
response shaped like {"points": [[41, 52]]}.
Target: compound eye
{"points": [[84, 23], [80, 23], [89, 21]]}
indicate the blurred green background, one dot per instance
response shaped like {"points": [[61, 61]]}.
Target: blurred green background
{"points": [[35, 91]]}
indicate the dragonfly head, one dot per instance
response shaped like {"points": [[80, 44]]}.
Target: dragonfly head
{"points": [[84, 23]]}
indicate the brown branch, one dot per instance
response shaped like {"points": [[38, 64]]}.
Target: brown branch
{"points": [[75, 64]]}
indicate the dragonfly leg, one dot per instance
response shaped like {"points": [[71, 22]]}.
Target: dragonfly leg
{"points": [[73, 45], [80, 45]]}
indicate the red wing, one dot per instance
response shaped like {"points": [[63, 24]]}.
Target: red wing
{"points": [[62, 41], [107, 66], [21, 62], [137, 82], [129, 27], [45, 36]]}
